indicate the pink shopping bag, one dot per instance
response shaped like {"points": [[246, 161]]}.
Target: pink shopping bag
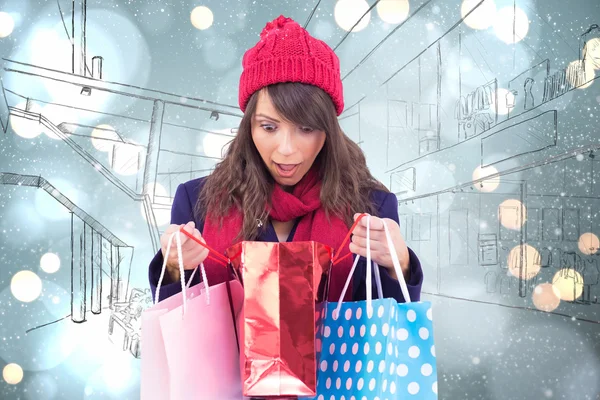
{"points": [[189, 345]]}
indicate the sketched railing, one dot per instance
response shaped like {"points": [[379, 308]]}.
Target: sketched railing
{"points": [[92, 245], [63, 133]]}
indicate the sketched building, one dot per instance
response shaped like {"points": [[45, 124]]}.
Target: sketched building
{"points": [[495, 189], [143, 150]]}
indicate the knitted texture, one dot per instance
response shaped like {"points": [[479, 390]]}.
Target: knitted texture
{"points": [[287, 53]]}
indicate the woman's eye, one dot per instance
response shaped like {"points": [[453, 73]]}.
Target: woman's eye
{"points": [[307, 129], [268, 128]]}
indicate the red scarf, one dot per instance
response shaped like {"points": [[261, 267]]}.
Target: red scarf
{"points": [[305, 203]]}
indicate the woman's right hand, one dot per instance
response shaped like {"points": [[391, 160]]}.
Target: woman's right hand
{"points": [[193, 254]]}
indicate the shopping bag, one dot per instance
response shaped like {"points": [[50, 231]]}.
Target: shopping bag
{"points": [[282, 284], [378, 348], [189, 344]]}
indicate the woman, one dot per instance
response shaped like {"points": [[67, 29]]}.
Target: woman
{"points": [[290, 174]]}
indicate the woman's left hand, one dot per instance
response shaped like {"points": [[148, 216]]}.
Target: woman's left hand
{"points": [[380, 252]]}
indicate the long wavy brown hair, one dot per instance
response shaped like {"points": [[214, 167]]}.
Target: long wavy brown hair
{"points": [[242, 180]]}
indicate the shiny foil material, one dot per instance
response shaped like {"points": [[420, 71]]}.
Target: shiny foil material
{"points": [[282, 282]]}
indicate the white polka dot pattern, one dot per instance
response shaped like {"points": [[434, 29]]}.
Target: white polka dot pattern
{"points": [[387, 353]]}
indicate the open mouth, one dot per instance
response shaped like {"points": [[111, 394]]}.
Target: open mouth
{"points": [[286, 170]]}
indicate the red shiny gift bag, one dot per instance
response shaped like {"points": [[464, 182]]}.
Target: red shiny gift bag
{"points": [[282, 282]]}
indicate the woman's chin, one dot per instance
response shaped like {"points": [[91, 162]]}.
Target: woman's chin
{"points": [[286, 182]]}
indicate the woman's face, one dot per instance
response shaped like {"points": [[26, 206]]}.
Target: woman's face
{"points": [[288, 150]]}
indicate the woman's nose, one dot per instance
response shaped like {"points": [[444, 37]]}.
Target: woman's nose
{"points": [[286, 142]]}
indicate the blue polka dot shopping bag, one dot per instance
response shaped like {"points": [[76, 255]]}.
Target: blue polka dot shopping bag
{"points": [[376, 349]]}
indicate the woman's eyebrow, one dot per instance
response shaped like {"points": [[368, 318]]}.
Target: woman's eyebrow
{"points": [[267, 117]]}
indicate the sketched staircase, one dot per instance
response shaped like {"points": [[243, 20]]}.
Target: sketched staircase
{"points": [[64, 134], [92, 246]]}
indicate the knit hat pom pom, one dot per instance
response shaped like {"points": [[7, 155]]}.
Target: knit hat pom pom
{"points": [[274, 25]]}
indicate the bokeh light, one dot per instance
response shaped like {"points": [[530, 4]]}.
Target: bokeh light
{"points": [[12, 373], [104, 137], [482, 17], [588, 243], [348, 12], [488, 185], [202, 17], [215, 145], [24, 127], [393, 11], [7, 24], [26, 286], [511, 24], [50, 263], [530, 260], [568, 283], [49, 47], [546, 297], [512, 214], [505, 98], [591, 52]]}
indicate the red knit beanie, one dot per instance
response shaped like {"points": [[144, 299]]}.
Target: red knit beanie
{"points": [[287, 53]]}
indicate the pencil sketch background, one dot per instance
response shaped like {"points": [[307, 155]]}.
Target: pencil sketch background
{"points": [[481, 115]]}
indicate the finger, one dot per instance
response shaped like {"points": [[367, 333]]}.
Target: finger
{"points": [[355, 249], [359, 214], [200, 256], [188, 252], [198, 236], [362, 242], [164, 238], [195, 253], [193, 244], [376, 223], [375, 235], [362, 251], [171, 228], [189, 227]]}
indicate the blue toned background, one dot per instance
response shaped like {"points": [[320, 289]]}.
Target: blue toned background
{"points": [[481, 115]]}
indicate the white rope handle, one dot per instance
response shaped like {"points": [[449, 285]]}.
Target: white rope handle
{"points": [[177, 236], [191, 278], [163, 269], [205, 282], [368, 284]]}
